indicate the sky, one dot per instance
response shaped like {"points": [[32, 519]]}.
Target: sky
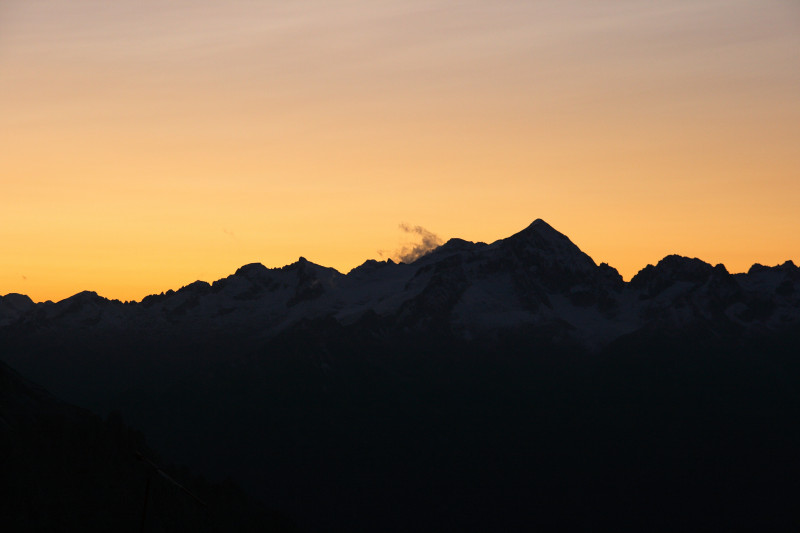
{"points": [[147, 144]]}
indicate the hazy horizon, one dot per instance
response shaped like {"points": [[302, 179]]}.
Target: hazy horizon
{"points": [[145, 145]]}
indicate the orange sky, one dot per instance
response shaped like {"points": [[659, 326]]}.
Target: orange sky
{"points": [[146, 144]]}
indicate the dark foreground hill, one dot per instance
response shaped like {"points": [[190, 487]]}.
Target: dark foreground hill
{"points": [[506, 386], [65, 469]]}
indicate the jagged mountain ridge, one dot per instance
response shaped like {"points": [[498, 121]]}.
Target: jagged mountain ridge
{"points": [[535, 278]]}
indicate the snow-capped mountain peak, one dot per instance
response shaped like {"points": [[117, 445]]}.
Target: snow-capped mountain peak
{"points": [[535, 278]]}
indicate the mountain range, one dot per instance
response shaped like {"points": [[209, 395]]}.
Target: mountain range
{"points": [[535, 279], [506, 386]]}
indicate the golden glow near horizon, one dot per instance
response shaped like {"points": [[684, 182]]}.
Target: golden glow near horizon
{"points": [[144, 144]]}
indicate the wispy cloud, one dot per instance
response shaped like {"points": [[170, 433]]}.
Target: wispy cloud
{"points": [[424, 241]]}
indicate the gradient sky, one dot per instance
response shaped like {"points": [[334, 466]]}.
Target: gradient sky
{"points": [[146, 144]]}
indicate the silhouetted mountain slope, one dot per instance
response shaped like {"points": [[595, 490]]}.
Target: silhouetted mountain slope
{"points": [[64, 469], [502, 386]]}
